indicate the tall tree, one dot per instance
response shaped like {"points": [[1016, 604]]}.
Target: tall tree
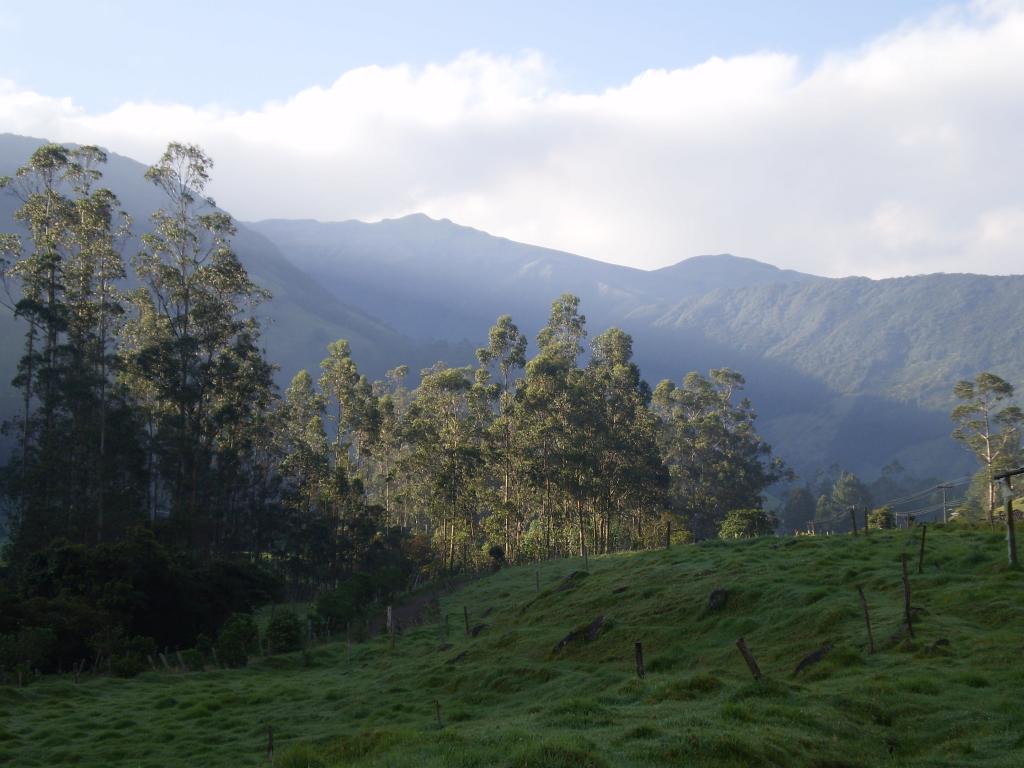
{"points": [[716, 459], [68, 471], [200, 293], [988, 424]]}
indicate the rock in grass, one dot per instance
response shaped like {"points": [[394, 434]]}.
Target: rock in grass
{"points": [[588, 634], [812, 658], [571, 581], [717, 599]]}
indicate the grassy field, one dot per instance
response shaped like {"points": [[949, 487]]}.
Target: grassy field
{"points": [[952, 696]]}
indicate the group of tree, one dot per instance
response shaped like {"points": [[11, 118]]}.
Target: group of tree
{"points": [[148, 403]]}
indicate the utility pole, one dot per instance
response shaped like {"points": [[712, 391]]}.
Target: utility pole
{"points": [[945, 487], [1011, 534]]}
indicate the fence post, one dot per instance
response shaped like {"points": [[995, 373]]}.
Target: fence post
{"points": [[867, 619], [638, 649], [1011, 532], [906, 594], [749, 658], [920, 556]]}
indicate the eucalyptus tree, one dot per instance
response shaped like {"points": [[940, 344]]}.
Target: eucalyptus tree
{"points": [[551, 425], [63, 283], [505, 352], [988, 424], [200, 293], [716, 460], [628, 470], [445, 457], [389, 445]]}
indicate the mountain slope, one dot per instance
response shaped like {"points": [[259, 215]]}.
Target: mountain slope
{"points": [[909, 338], [454, 280]]}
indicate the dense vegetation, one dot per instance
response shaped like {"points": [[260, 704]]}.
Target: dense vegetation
{"points": [[508, 698], [148, 403]]}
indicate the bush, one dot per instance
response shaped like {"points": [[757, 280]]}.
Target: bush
{"points": [[193, 659], [345, 604], [236, 640], [28, 649], [497, 555], [880, 518], [204, 645], [284, 633], [131, 656], [747, 523]]}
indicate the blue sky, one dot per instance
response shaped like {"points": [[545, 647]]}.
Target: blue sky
{"points": [[242, 54], [838, 138]]}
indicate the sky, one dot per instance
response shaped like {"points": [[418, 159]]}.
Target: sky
{"points": [[870, 138]]}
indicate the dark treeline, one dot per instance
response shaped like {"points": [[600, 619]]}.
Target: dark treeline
{"points": [[151, 423]]}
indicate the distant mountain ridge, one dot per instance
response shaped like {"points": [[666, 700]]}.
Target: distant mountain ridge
{"points": [[415, 257]]}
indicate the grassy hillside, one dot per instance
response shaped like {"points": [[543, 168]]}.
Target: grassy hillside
{"points": [[949, 696]]}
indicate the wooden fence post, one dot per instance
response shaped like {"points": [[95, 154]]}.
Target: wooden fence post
{"points": [[867, 619], [638, 649], [668, 535], [749, 658], [906, 594], [437, 710], [853, 521], [1011, 532], [920, 556]]}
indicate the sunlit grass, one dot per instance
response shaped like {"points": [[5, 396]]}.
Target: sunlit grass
{"points": [[506, 698]]}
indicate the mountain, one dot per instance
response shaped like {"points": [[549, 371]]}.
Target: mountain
{"points": [[453, 280], [851, 370], [299, 321]]}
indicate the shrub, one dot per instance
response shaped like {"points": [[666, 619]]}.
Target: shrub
{"points": [[497, 555], [131, 656], [345, 604], [236, 640], [193, 659], [747, 523], [284, 633], [29, 648], [204, 645], [880, 518]]}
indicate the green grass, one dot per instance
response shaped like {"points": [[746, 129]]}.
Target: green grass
{"points": [[507, 699]]}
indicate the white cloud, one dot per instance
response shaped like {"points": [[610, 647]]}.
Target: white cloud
{"points": [[902, 156]]}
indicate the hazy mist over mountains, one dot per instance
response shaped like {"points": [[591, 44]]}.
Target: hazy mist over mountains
{"points": [[853, 371]]}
